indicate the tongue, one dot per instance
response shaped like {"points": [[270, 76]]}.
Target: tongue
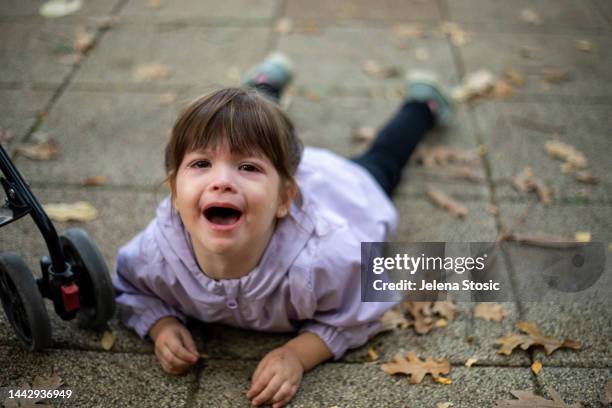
{"points": [[225, 219]]}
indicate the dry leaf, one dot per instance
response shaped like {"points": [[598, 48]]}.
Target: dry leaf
{"points": [[79, 211], [376, 70], [59, 8], [442, 155], [585, 176], [584, 45], [6, 135], [372, 354], [516, 78], [455, 32], [441, 323], [552, 75], [583, 237], [490, 311], [527, 399], [50, 383], [409, 31], [83, 40], [415, 367], [445, 309], [533, 337], [444, 404], [444, 201], [565, 152], [283, 25], [464, 173], [421, 313], [471, 361], [442, 380], [502, 89], [153, 71], [536, 367], [38, 151], [363, 134], [542, 240], [108, 339], [475, 84], [530, 16], [527, 181], [94, 181], [393, 319]]}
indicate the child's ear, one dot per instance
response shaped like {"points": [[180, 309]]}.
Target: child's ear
{"points": [[286, 198]]}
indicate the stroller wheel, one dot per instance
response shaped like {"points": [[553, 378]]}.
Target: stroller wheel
{"points": [[96, 292], [23, 303]]}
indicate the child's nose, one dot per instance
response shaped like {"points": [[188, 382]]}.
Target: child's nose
{"points": [[222, 182]]}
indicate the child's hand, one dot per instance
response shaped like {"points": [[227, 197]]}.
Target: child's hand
{"points": [[276, 379], [174, 345]]}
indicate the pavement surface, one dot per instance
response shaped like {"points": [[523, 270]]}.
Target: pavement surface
{"points": [[108, 122]]}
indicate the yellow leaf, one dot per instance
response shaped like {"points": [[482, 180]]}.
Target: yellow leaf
{"points": [[536, 367], [471, 361], [372, 354], [442, 380], [441, 323], [583, 237], [79, 211], [108, 339]]}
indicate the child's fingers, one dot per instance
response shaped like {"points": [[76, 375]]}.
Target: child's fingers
{"points": [[268, 392], [180, 352], [260, 384], [281, 403], [189, 344], [260, 367], [285, 391]]}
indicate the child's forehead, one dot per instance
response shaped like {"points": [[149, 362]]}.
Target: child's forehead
{"points": [[223, 149]]}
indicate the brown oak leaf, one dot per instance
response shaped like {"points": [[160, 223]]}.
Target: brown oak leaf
{"points": [[442, 155], [422, 314], [527, 181], [441, 199], [490, 311], [533, 337], [567, 153], [393, 319], [527, 399], [445, 309], [415, 367], [52, 382]]}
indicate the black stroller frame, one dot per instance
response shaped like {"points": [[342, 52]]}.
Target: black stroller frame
{"points": [[74, 275]]}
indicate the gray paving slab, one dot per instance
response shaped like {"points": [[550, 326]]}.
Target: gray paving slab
{"points": [[203, 62], [165, 10], [29, 52], [330, 122], [606, 8], [556, 16], [98, 379], [590, 72], [422, 221], [117, 135], [512, 132], [331, 62], [30, 8], [362, 10], [19, 110], [583, 385], [364, 385]]}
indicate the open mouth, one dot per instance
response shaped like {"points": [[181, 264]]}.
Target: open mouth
{"points": [[222, 215]]}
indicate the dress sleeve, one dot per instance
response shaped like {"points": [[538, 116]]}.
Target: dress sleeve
{"points": [[341, 319], [139, 307]]}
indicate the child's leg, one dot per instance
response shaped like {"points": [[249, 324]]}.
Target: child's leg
{"points": [[271, 76], [395, 143], [427, 104]]}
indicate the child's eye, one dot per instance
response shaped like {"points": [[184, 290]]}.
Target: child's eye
{"points": [[200, 164], [248, 167]]}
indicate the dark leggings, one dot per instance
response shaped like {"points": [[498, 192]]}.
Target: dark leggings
{"points": [[394, 143]]}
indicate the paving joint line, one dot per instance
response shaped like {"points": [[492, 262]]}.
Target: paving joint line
{"points": [[59, 91]]}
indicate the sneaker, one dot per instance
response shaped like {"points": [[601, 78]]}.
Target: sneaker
{"points": [[276, 71], [424, 87]]}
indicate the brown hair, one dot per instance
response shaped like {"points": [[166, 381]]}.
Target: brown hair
{"points": [[242, 119]]}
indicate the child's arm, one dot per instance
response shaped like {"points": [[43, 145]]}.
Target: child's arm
{"points": [[279, 373]]}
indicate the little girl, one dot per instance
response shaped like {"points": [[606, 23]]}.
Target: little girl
{"points": [[261, 234]]}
